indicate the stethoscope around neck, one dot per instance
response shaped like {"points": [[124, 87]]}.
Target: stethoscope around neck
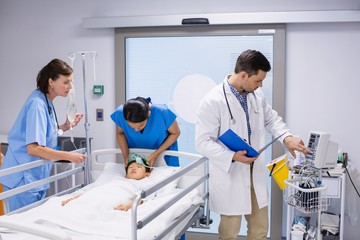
{"points": [[59, 131], [232, 119]]}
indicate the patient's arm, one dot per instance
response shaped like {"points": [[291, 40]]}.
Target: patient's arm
{"points": [[126, 206], [63, 203]]}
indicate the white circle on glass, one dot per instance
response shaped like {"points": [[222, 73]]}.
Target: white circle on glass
{"points": [[188, 93]]}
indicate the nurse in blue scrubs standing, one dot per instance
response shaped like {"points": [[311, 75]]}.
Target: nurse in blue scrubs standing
{"points": [[35, 132], [141, 124]]}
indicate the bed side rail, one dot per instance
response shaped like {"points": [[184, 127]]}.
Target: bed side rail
{"points": [[158, 211], [175, 176], [199, 176], [100, 157], [53, 178], [203, 179]]}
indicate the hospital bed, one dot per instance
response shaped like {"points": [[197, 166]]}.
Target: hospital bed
{"points": [[178, 200]]}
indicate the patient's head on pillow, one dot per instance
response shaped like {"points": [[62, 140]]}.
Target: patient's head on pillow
{"points": [[138, 167]]}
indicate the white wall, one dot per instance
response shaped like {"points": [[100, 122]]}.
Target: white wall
{"points": [[34, 32], [322, 91], [322, 61]]}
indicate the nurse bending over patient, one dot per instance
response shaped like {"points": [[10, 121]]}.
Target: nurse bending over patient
{"points": [[35, 132], [141, 124]]}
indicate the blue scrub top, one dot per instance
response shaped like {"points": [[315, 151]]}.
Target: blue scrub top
{"points": [[33, 124], [154, 133]]}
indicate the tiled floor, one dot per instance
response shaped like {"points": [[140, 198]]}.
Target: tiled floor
{"points": [[207, 236], [204, 236]]}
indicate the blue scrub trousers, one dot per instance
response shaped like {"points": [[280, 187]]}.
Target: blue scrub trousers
{"points": [[23, 199]]}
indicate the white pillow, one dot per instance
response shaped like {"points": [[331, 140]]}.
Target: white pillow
{"points": [[110, 172]]}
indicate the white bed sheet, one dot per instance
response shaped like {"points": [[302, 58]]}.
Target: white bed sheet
{"points": [[92, 216]]}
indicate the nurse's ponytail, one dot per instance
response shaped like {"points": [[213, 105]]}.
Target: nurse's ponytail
{"points": [[136, 110]]}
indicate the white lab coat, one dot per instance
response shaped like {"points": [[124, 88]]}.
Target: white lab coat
{"points": [[230, 181]]}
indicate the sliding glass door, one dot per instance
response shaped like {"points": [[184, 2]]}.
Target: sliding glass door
{"points": [[178, 66]]}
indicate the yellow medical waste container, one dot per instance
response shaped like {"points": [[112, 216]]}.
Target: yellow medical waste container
{"points": [[279, 170]]}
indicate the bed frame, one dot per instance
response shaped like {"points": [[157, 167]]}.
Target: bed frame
{"points": [[76, 169], [194, 174]]}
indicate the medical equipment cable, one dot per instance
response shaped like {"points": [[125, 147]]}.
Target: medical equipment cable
{"points": [[357, 191], [310, 174], [67, 178], [345, 161]]}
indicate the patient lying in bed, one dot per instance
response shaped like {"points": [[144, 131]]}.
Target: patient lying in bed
{"points": [[95, 211], [137, 169]]}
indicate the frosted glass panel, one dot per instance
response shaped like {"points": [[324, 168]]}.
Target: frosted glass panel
{"points": [[179, 71]]}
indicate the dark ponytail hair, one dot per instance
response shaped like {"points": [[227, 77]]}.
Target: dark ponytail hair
{"points": [[136, 109], [53, 70]]}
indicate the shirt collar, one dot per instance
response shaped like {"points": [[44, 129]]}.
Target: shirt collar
{"points": [[236, 92]]}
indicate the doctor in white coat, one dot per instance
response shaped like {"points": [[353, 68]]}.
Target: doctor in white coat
{"points": [[237, 182]]}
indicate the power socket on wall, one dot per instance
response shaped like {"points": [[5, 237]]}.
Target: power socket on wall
{"points": [[99, 114]]}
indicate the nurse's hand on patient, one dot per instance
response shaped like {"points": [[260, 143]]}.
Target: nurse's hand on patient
{"points": [[152, 159], [240, 156]]}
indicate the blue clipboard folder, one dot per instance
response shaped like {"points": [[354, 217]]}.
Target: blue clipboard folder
{"points": [[236, 143]]}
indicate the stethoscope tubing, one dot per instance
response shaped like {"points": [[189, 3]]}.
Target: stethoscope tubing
{"points": [[227, 102], [59, 131]]}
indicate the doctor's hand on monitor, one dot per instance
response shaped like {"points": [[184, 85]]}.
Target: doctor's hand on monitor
{"points": [[295, 144]]}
